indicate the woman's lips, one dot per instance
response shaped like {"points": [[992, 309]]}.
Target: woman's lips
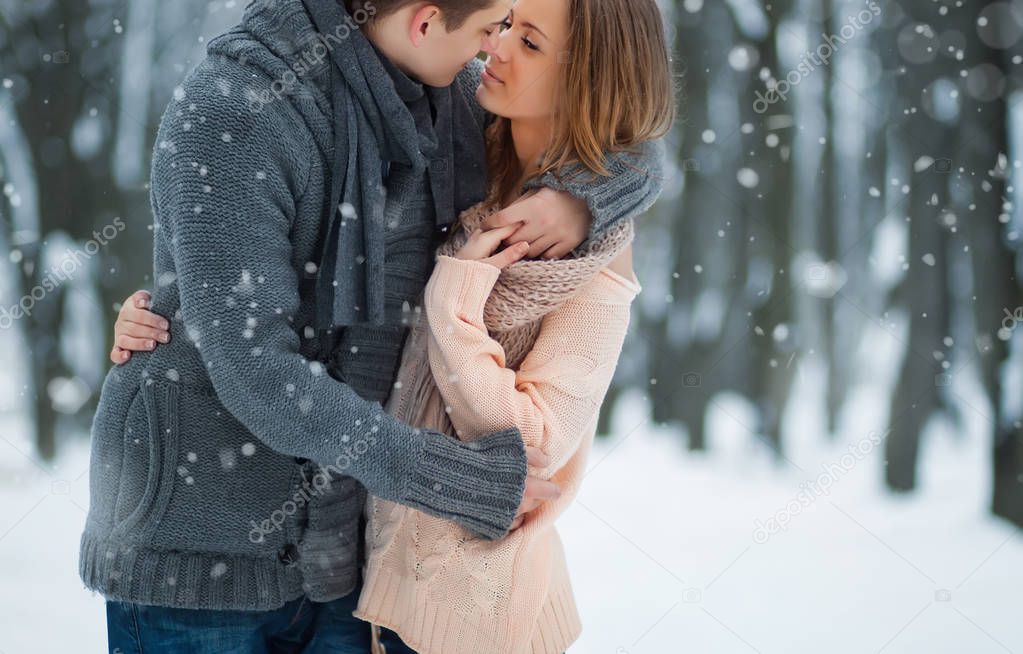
{"points": [[489, 76]]}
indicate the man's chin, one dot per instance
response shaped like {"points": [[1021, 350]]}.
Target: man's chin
{"points": [[440, 80]]}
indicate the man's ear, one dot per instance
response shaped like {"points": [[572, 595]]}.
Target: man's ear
{"points": [[424, 20]]}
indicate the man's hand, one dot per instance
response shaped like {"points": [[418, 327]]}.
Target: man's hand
{"points": [[553, 223], [538, 490]]}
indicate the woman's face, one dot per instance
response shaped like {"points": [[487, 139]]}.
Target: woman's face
{"points": [[523, 71]]}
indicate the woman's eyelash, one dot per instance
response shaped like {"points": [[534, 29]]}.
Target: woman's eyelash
{"points": [[507, 25]]}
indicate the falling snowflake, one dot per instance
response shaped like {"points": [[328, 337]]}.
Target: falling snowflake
{"points": [[748, 177], [228, 459]]}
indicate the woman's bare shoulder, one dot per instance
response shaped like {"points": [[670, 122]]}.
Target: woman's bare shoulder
{"points": [[622, 264]]}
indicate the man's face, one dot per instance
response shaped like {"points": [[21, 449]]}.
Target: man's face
{"points": [[441, 54]]}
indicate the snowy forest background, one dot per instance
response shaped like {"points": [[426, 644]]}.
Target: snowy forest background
{"points": [[824, 368]]}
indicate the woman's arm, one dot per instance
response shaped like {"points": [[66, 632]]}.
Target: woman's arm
{"points": [[559, 387]]}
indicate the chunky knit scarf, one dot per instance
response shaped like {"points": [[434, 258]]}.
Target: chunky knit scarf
{"points": [[374, 128], [524, 293]]}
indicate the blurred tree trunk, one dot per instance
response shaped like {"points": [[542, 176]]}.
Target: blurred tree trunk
{"points": [[986, 210], [826, 192], [767, 210], [683, 350], [925, 289], [63, 73]]}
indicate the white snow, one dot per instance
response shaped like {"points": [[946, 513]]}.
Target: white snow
{"points": [[665, 555]]}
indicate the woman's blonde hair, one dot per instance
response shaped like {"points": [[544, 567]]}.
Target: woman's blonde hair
{"points": [[616, 90]]}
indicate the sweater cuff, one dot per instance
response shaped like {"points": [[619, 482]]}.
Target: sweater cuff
{"points": [[461, 286], [478, 484], [636, 179]]}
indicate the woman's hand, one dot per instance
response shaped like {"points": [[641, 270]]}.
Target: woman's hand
{"points": [[137, 329], [482, 244]]}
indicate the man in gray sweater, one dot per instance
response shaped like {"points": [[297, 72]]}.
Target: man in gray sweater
{"points": [[302, 177]]}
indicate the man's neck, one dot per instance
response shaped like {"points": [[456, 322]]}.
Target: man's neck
{"points": [[378, 32]]}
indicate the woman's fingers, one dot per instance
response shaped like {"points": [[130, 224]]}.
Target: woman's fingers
{"points": [[137, 330], [508, 256], [126, 342], [497, 234], [145, 317], [119, 355], [503, 218], [481, 244], [133, 313], [538, 247], [491, 238], [140, 299]]}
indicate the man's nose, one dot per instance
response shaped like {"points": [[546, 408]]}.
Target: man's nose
{"points": [[500, 49], [491, 42]]}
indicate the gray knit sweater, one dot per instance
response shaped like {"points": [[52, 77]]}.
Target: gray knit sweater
{"points": [[197, 488]]}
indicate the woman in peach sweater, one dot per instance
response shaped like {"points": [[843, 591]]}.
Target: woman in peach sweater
{"points": [[502, 341], [525, 343]]}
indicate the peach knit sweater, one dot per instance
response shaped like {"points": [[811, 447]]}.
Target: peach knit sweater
{"points": [[433, 582]]}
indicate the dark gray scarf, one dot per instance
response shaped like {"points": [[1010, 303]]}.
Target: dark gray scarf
{"points": [[374, 129]]}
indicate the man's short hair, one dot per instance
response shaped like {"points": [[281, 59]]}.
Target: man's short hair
{"points": [[456, 12]]}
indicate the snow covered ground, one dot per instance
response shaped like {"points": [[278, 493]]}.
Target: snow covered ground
{"points": [[666, 556], [674, 552], [664, 546]]}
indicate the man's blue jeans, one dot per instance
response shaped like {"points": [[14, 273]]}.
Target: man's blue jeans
{"points": [[392, 642], [298, 626]]}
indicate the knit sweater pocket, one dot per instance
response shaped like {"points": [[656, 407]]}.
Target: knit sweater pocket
{"points": [[150, 448]]}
